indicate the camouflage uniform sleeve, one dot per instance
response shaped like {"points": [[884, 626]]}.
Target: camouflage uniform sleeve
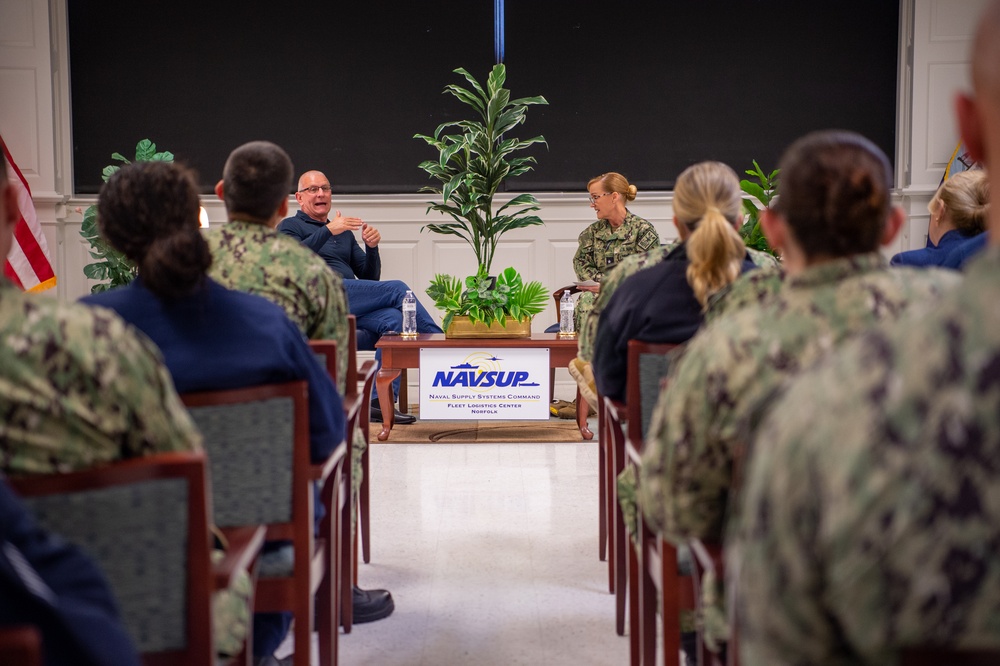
{"points": [[648, 238], [804, 574], [140, 385], [686, 464], [772, 576], [332, 317], [585, 259]]}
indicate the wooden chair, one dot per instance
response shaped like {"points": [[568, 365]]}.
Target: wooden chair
{"points": [[21, 645], [258, 440], [639, 573], [153, 518], [356, 405], [618, 534], [364, 423]]}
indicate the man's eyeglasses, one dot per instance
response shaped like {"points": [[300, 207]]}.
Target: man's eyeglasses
{"points": [[316, 188], [594, 197]]}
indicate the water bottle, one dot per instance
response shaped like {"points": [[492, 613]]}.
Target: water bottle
{"points": [[409, 315], [566, 315]]}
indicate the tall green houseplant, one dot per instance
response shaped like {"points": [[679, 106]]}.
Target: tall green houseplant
{"points": [[475, 157], [112, 265]]}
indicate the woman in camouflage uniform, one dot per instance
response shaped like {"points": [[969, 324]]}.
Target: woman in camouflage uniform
{"points": [[616, 234]]}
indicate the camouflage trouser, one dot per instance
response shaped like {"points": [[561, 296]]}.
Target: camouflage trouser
{"points": [[584, 304], [231, 612], [627, 500]]}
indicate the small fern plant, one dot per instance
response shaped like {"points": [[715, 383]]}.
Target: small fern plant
{"points": [[481, 301], [112, 267]]}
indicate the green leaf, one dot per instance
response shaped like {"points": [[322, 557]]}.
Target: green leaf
{"points": [[144, 150], [120, 158]]}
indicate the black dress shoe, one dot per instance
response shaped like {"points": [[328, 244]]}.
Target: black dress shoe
{"points": [[371, 605], [398, 417]]}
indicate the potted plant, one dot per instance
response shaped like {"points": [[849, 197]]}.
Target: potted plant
{"points": [[509, 302], [112, 265], [475, 157], [761, 193]]}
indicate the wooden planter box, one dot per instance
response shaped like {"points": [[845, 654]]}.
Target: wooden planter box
{"points": [[462, 327]]}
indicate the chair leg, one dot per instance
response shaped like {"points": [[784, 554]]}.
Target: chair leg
{"points": [[610, 511], [364, 515], [670, 602], [346, 566], [636, 631], [645, 601], [602, 519], [327, 627], [303, 625], [621, 564]]}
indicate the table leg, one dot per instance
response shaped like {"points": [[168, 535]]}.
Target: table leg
{"points": [[582, 411], [383, 384]]}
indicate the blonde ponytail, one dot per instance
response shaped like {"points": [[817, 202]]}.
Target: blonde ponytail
{"points": [[707, 199], [715, 254]]}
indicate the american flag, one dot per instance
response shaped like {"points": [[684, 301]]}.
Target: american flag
{"points": [[28, 264]]}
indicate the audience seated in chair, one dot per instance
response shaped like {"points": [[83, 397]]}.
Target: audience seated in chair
{"points": [[377, 305], [833, 215], [958, 213], [870, 489], [211, 338], [665, 302], [79, 387]]}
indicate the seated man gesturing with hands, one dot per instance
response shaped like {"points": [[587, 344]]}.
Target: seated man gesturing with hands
{"points": [[377, 305]]}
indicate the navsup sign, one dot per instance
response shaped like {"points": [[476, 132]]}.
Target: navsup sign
{"points": [[484, 384]]}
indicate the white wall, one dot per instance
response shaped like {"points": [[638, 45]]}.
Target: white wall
{"points": [[35, 121]]}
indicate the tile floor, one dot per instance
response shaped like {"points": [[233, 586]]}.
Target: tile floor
{"points": [[490, 551]]}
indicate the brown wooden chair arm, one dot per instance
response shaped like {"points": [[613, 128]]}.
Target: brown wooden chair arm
{"points": [[321, 471], [633, 453], [557, 294], [243, 545]]}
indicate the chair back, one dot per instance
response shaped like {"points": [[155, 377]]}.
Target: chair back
{"points": [[325, 352], [352, 355], [21, 645], [259, 439], [648, 364], [145, 523]]}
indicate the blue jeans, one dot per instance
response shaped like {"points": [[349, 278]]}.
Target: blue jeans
{"points": [[378, 307]]}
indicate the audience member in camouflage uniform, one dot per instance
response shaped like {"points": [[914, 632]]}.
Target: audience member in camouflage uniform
{"points": [[249, 255], [616, 234], [665, 303], [871, 518], [77, 386], [838, 285]]}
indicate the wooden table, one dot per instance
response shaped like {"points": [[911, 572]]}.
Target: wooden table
{"points": [[399, 353]]}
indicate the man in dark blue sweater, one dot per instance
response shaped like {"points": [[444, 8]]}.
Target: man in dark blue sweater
{"points": [[377, 305]]}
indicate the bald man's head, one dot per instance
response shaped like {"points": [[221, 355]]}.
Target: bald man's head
{"points": [[313, 195]]}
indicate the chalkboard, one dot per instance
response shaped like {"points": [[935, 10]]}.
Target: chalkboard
{"points": [[644, 88]]}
